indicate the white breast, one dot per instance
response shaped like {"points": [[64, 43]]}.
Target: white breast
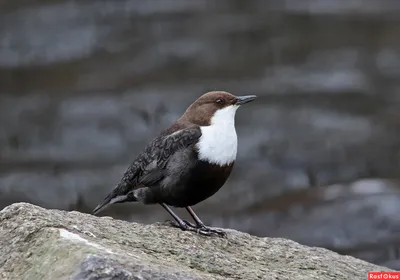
{"points": [[218, 142]]}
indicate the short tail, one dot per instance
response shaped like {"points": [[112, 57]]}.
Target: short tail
{"points": [[112, 198]]}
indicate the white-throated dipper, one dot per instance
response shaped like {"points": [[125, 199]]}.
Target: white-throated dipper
{"points": [[188, 162]]}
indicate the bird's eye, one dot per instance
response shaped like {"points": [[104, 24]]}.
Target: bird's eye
{"points": [[219, 101]]}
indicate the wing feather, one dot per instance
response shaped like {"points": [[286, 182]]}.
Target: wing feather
{"points": [[162, 150], [149, 167]]}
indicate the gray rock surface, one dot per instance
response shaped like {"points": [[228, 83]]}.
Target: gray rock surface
{"points": [[36, 243]]}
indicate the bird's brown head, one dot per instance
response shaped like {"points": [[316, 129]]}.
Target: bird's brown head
{"points": [[214, 106]]}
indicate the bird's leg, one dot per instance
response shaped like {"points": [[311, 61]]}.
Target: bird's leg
{"points": [[201, 225], [182, 224]]}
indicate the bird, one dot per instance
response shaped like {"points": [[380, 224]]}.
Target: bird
{"points": [[187, 162]]}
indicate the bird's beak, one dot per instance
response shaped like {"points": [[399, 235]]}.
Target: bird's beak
{"points": [[245, 99]]}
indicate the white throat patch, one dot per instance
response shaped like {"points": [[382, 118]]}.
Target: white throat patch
{"points": [[218, 142]]}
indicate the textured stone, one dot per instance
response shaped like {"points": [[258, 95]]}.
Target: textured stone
{"points": [[51, 244]]}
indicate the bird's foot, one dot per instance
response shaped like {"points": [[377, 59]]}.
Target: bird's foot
{"points": [[189, 223], [204, 228], [187, 226], [218, 232]]}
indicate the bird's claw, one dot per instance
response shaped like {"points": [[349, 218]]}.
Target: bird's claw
{"points": [[189, 223], [213, 230], [187, 226], [200, 229], [204, 228]]}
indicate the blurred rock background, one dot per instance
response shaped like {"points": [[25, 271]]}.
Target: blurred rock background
{"points": [[84, 85]]}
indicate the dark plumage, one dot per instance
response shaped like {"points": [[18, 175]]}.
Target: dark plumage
{"points": [[179, 167]]}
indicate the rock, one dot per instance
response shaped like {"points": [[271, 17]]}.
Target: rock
{"points": [[37, 243]]}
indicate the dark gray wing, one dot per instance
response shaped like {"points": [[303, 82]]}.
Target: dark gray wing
{"points": [[162, 150], [149, 166]]}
